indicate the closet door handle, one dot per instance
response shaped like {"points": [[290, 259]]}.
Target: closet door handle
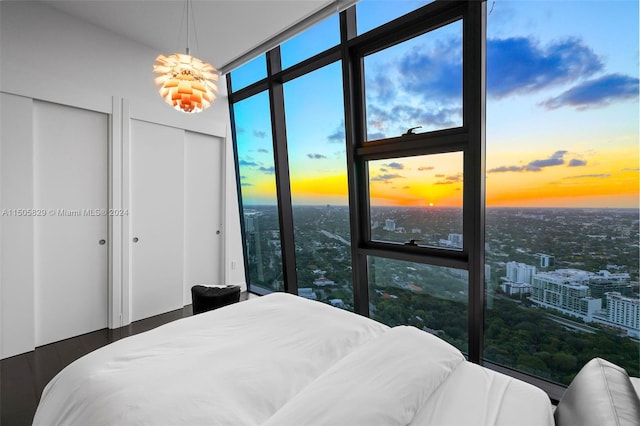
{"points": [[102, 242], [136, 239]]}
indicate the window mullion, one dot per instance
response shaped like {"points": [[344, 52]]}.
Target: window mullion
{"points": [[283, 182], [474, 72], [351, 79]]}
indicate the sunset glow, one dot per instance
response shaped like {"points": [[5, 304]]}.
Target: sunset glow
{"points": [[562, 133]]}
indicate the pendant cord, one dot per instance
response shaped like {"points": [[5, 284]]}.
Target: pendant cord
{"points": [[195, 30], [179, 47], [188, 27]]}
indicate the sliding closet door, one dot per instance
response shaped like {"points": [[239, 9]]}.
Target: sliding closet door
{"points": [[203, 232], [70, 225], [157, 218], [176, 216]]}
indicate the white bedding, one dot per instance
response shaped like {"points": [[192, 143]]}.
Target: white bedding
{"points": [[284, 360]]}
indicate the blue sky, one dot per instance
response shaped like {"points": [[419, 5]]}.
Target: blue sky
{"points": [[562, 102]]}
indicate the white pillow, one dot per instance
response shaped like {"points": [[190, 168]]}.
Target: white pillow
{"points": [[383, 382]]}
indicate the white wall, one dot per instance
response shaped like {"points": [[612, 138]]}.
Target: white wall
{"points": [[203, 261], [47, 55], [16, 270]]}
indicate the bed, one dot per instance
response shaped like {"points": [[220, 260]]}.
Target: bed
{"points": [[284, 360]]}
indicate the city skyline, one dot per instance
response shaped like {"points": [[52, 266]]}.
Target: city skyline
{"points": [[595, 252], [562, 130]]}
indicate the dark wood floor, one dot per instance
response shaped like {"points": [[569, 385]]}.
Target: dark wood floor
{"points": [[23, 377]]}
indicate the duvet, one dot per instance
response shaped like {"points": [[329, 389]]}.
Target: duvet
{"points": [[284, 360]]}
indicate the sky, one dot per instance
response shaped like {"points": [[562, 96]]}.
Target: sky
{"points": [[562, 110]]}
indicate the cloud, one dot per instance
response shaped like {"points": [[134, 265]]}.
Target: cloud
{"points": [[628, 169], [381, 87], [434, 73], [451, 179], [439, 175], [316, 156], [386, 177], [596, 93], [246, 184], [425, 117], [260, 134], [601, 176], [338, 135], [268, 170], [576, 163], [556, 159], [248, 163], [264, 151], [394, 165], [425, 168], [406, 187], [380, 119], [503, 169], [519, 65]]}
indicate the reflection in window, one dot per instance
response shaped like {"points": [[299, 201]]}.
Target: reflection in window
{"points": [[415, 83], [373, 13], [562, 198], [314, 40], [249, 73], [317, 168], [417, 198], [428, 297], [258, 190]]}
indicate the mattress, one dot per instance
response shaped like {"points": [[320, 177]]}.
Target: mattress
{"points": [[284, 360]]}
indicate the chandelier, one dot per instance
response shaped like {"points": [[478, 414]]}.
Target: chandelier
{"points": [[186, 83]]}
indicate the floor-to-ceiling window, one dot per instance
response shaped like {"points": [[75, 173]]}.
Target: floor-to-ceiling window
{"points": [[562, 186], [317, 167], [257, 179], [418, 174], [379, 135]]}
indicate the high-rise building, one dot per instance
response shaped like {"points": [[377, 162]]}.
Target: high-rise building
{"points": [[389, 225], [518, 279], [565, 290], [456, 240], [605, 282], [520, 272], [547, 261], [624, 311], [249, 223]]}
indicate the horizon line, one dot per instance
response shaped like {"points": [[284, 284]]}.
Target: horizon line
{"points": [[453, 207]]}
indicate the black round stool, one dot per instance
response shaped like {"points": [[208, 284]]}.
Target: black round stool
{"points": [[207, 298]]}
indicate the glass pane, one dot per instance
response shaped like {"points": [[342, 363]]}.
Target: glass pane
{"points": [[373, 13], [312, 41], [562, 198], [417, 83], [258, 188], [428, 297], [417, 198], [249, 73], [317, 167]]}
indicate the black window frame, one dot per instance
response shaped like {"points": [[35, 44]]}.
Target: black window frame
{"points": [[468, 138]]}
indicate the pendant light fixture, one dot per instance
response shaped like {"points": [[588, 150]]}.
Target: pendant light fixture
{"points": [[186, 83]]}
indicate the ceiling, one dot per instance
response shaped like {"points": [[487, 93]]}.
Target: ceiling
{"points": [[225, 28]]}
